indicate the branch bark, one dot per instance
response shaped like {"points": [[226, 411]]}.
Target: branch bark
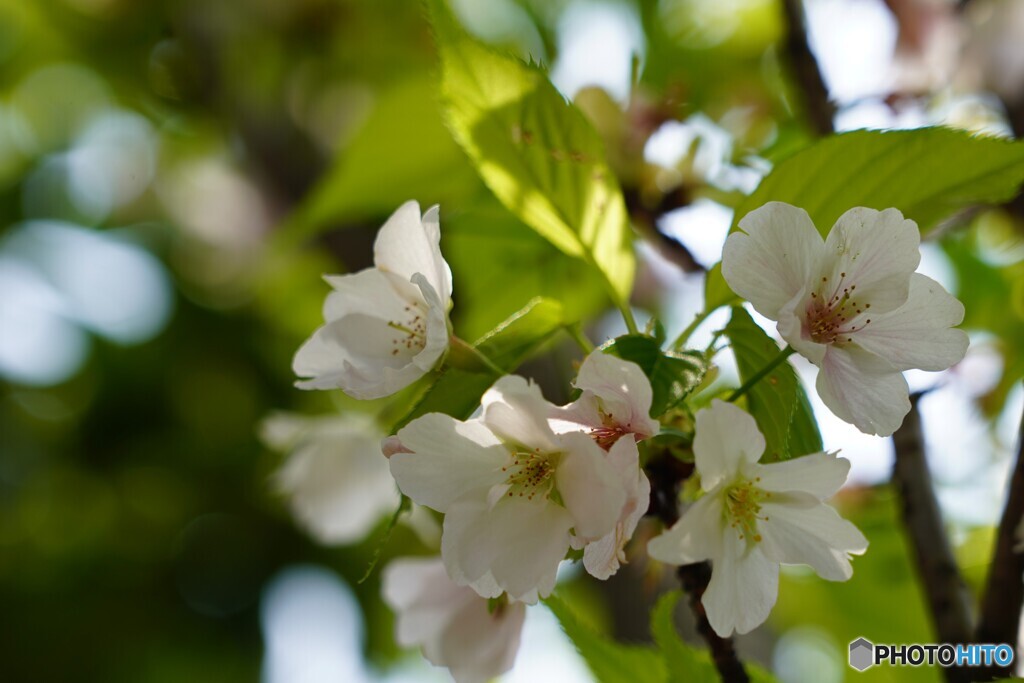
{"points": [[820, 109], [1004, 590], [948, 598], [666, 475]]}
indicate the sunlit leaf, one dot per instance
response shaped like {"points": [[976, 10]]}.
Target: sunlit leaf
{"points": [[673, 374]]}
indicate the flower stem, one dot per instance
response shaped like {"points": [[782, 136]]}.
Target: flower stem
{"points": [[478, 355], [685, 334], [575, 331], [627, 316], [762, 373]]}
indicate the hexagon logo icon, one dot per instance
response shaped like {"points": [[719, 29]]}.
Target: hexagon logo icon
{"points": [[862, 654]]}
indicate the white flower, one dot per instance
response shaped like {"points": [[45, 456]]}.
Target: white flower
{"points": [[451, 623], [615, 400], [336, 478], [851, 304], [753, 517], [386, 326], [515, 495]]}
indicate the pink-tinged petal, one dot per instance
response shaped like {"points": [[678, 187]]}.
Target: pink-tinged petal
{"points": [[819, 474], [696, 537], [918, 334], [408, 244], [874, 402], [726, 438], [801, 530], [516, 411], [778, 252], [876, 251], [480, 645], [591, 489], [743, 589], [622, 390], [793, 328], [447, 461]]}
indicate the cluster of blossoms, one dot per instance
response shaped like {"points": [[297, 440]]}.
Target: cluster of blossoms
{"points": [[525, 483]]}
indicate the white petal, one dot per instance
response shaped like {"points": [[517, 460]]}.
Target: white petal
{"points": [[875, 403], [622, 389], [695, 537], [778, 252], [516, 411], [449, 461], [918, 334], [437, 336], [874, 250], [407, 245], [602, 558], [725, 439], [792, 328], [743, 589], [819, 474], [591, 489], [479, 645], [801, 530]]}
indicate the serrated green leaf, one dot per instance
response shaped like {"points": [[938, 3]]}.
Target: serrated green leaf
{"points": [[609, 661], [457, 392], [778, 402], [673, 374], [536, 152]]}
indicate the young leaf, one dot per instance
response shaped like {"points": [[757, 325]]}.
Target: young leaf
{"points": [[536, 152], [778, 401], [609, 661], [457, 392], [673, 374]]}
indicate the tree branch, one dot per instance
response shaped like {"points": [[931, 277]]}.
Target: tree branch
{"points": [[666, 475], [1004, 590], [948, 598], [820, 109]]}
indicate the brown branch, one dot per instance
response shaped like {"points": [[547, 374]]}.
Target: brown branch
{"points": [[820, 109], [666, 475], [1004, 590], [948, 598], [645, 219]]}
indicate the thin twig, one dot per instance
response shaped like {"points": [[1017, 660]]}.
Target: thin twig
{"points": [[666, 475], [948, 598], [820, 109], [1004, 590]]}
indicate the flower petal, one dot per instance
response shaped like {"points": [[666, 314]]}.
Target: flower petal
{"points": [[436, 327], [874, 402], [408, 244], [697, 536], [449, 461], [743, 589], [603, 557], [622, 390], [876, 251], [592, 491], [777, 253], [479, 645], [792, 328], [725, 439], [918, 334], [801, 530], [819, 474], [516, 411]]}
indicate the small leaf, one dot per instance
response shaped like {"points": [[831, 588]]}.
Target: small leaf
{"points": [[778, 401], [673, 374], [609, 661]]}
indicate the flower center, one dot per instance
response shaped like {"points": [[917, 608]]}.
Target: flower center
{"points": [[743, 507], [412, 331], [833, 316], [607, 436], [529, 474]]}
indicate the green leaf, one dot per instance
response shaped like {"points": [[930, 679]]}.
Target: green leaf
{"points": [[673, 374], [928, 174], [536, 152], [685, 663], [457, 391], [609, 661], [778, 401], [716, 291]]}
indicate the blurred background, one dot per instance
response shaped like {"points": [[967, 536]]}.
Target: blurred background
{"points": [[175, 176]]}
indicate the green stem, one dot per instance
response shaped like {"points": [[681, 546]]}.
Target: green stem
{"points": [[685, 334], [576, 332], [478, 355], [627, 315], [762, 373]]}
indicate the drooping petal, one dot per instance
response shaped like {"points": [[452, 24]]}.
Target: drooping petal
{"points": [[622, 390], [436, 342], [725, 439], [478, 644], [874, 402], [777, 253], [918, 334], [408, 244], [696, 537], [801, 530], [419, 590], [819, 474], [743, 589], [603, 557], [516, 411], [876, 251], [448, 461], [593, 493]]}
